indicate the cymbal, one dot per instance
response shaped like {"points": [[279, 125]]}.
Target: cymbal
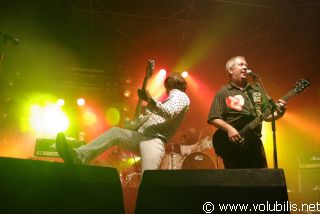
{"points": [[189, 140]]}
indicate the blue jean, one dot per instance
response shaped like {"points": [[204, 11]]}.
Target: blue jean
{"points": [[150, 149]]}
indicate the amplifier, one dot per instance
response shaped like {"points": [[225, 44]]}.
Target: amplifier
{"points": [[47, 147], [309, 161], [309, 180], [309, 177]]}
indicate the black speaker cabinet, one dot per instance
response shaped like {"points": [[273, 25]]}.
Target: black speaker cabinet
{"points": [[30, 186], [213, 191]]}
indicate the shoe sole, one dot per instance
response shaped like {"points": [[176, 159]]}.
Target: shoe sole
{"points": [[63, 149]]}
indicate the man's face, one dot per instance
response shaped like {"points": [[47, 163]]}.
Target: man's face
{"points": [[239, 70]]}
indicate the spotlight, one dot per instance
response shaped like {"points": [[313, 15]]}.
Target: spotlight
{"points": [[162, 72], [184, 74], [127, 93], [60, 102], [113, 116], [125, 108], [47, 120], [155, 84], [81, 102], [128, 80]]}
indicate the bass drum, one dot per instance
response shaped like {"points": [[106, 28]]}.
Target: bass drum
{"points": [[198, 160]]}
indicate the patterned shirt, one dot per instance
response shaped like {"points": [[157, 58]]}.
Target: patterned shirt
{"points": [[166, 116], [232, 103]]}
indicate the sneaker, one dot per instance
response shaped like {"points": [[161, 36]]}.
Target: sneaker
{"points": [[64, 149]]}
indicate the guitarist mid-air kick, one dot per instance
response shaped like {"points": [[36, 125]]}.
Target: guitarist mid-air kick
{"points": [[237, 111], [145, 135]]}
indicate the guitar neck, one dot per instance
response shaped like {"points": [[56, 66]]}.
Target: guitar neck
{"points": [[139, 104], [254, 123], [138, 109]]}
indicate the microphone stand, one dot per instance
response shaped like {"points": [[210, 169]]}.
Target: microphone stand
{"points": [[4, 38], [257, 80], [273, 124], [3, 122], [1, 54]]}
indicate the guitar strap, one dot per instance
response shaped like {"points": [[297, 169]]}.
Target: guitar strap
{"points": [[253, 104], [168, 98], [257, 100]]}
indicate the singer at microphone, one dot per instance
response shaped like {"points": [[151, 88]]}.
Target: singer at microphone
{"points": [[237, 140]]}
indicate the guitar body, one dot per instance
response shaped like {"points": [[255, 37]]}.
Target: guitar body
{"points": [[225, 148], [136, 123]]}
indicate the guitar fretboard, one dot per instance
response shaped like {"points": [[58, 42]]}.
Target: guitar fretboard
{"points": [[254, 123]]}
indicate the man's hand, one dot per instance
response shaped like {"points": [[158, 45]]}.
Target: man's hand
{"points": [[144, 95], [234, 135], [282, 106]]}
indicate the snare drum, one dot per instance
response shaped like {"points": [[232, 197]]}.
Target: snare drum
{"points": [[198, 160]]}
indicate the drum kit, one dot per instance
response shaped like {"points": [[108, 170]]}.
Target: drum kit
{"points": [[188, 154], [191, 155]]}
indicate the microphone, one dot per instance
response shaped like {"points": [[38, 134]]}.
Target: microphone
{"points": [[251, 73]]}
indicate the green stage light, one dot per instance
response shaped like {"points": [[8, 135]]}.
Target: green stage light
{"points": [[113, 116], [48, 120]]}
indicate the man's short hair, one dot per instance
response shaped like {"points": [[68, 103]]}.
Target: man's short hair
{"points": [[175, 81], [231, 61]]}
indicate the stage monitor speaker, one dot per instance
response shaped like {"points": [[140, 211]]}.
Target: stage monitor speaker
{"points": [[30, 186], [213, 191]]}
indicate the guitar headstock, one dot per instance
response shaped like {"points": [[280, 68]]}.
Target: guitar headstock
{"points": [[301, 85], [150, 68]]}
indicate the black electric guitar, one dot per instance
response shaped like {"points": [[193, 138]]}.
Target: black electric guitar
{"points": [[138, 118], [220, 140]]}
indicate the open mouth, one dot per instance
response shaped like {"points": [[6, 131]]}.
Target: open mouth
{"points": [[243, 74]]}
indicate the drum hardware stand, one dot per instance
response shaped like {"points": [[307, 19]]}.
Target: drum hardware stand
{"points": [[126, 177], [171, 160], [171, 156], [136, 168], [199, 138]]}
